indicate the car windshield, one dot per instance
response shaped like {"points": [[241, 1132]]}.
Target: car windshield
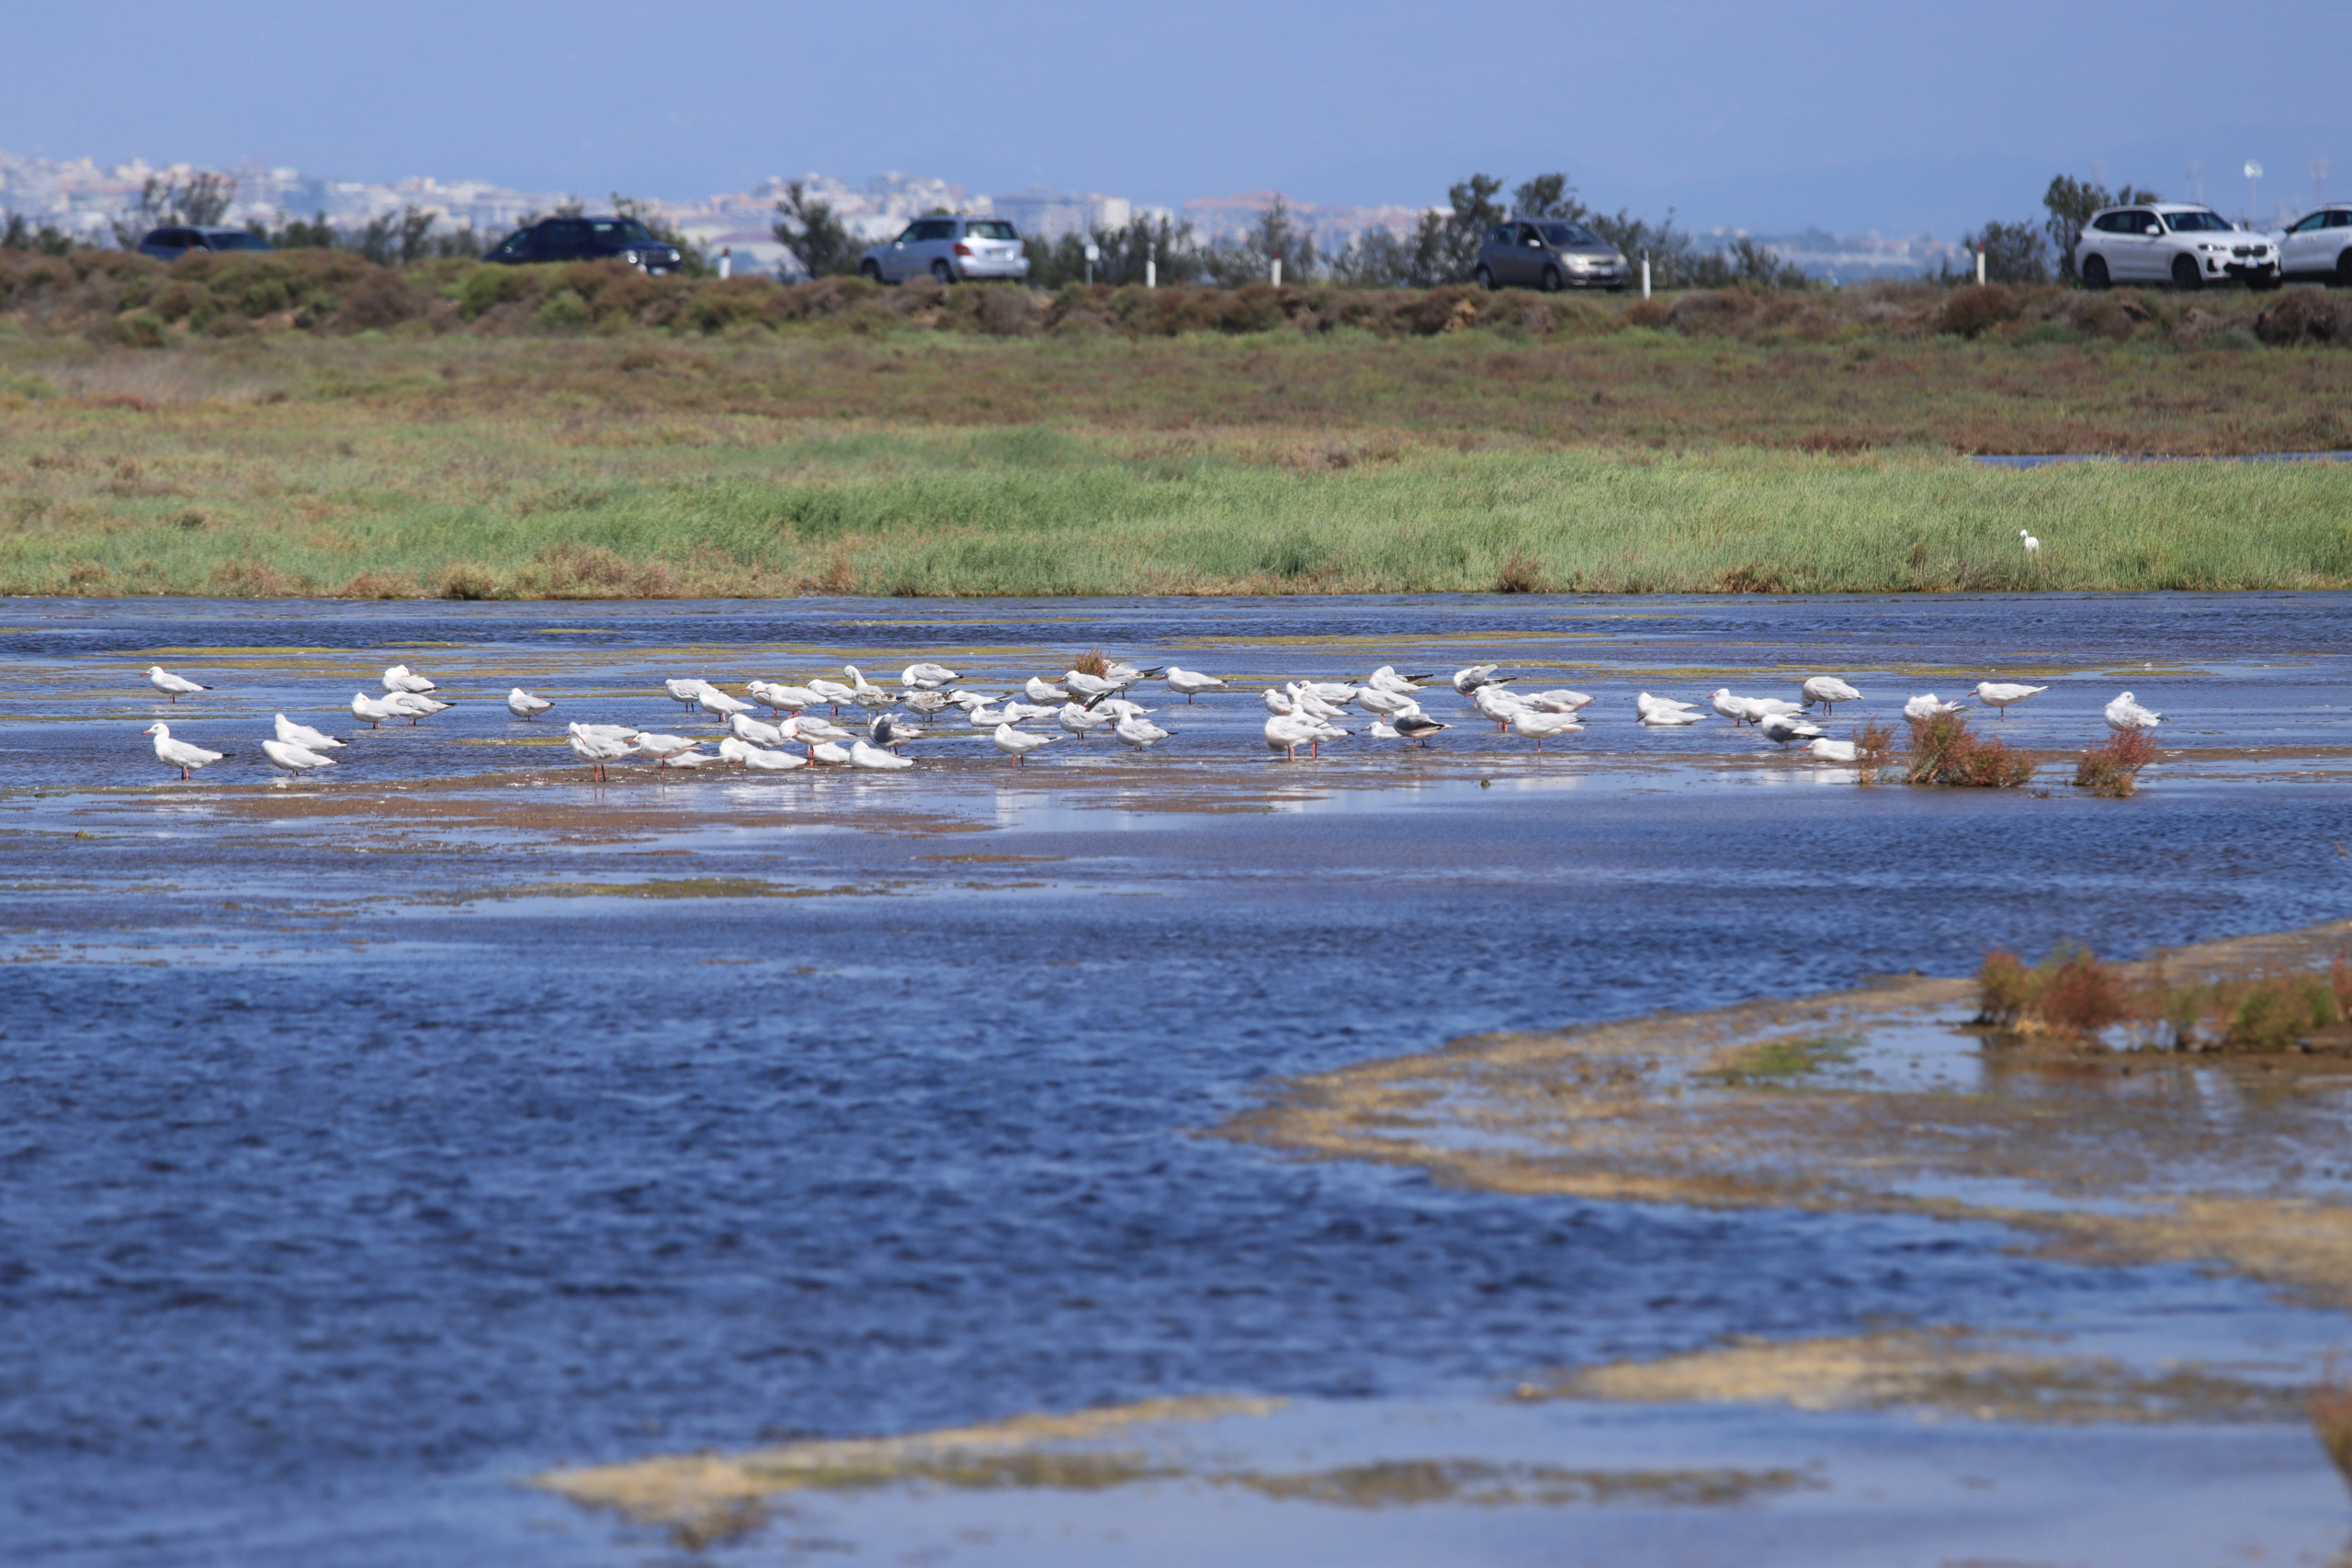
{"points": [[990, 229], [236, 240], [1569, 234], [621, 231], [2196, 222]]}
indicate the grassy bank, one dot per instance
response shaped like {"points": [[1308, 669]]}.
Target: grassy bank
{"points": [[590, 469]]}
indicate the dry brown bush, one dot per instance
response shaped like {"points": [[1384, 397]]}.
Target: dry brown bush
{"points": [[379, 585], [2112, 771]]}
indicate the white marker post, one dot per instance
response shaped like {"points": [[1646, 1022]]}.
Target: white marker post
{"points": [[1980, 267], [1151, 267], [726, 263], [1645, 274], [1093, 254], [1278, 269]]}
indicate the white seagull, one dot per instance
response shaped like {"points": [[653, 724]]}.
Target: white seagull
{"points": [[661, 748], [832, 693], [928, 677], [718, 704], [375, 710], [413, 706], [2001, 694], [1496, 704], [1139, 733], [1926, 705], [1468, 680], [1645, 705], [745, 727], [683, 689], [173, 687], [1079, 720], [1191, 684], [1829, 691], [1559, 700], [2125, 713], [830, 752], [1287, 732], [1540, 727], [522, 705], [760, 760], [596, 750], [864, 693], [1783, 729], [1416, 728], [1669, 718], [401, 678], [295, 759], [889, 730], [1040, 691], [876, 760], [1832, 751], [2033, 545], [302, 735], [1016, 745], [777, 698], [179, 753]]}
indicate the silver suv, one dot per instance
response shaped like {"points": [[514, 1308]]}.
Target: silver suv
{"points": [[951, 250], [2163, 241]]}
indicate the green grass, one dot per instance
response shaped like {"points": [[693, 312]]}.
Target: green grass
{"points": [[589, 468], [1027, 512]]}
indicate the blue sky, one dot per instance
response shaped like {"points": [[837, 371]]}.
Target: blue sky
{"points": [[1764, 118]]}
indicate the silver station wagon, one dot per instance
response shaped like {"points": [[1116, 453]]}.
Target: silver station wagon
{"points": [[1548, 254], [952, 250]]}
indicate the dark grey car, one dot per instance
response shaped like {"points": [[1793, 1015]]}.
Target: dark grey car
{"points": [[1549, 254]]}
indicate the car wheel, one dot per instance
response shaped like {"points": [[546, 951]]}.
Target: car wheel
{"points": [[2185, 275], [1551, 280], [2095, 273], [1487, 279], [870, 270], [942, 274]]}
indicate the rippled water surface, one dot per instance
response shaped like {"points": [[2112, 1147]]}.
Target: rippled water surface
{"points": [[370, 1145]]}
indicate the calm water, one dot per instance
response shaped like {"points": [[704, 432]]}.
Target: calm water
{"points": [[335, 1195]]}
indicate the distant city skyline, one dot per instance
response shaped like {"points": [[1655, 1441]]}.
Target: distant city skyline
{"points": [[1848, 116]]}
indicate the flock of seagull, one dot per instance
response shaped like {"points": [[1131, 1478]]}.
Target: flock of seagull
{"points": [[1081, 704]]}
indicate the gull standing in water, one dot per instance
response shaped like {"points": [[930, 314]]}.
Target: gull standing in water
{"points": [[2001, 694], [685, 689], [1016, 745], [2125, 713], [1783, 729], [833, 695], [1081, 720], [413, 706], [1416, 728], [296, 759], [1189, 683], [1540, 727], [173, 687], [596, 750], [1287, 732], [522, 705], [1138, 734], [302, 735], [1829, 691], [375, 710], [718, 704], [1496, 703], [179, 753], [746, 728], [777, 698], [1926, 705]]}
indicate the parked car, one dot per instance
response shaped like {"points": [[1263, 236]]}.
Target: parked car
{"points": [[174, 241], [1551, 254], [588, 238], [2318, 247], [2172, 242], [953, 250]]}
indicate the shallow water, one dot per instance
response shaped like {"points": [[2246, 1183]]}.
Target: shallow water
{"points": [[364, 1148]]}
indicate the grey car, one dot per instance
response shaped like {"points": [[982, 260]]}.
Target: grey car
{"points": [[952, 250], [1550, 253]]}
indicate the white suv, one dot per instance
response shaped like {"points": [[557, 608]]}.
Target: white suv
{"points": [[2170, 241], [2320, 247]]}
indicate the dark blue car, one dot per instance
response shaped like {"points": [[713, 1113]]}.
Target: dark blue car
{"points": [[588, 238], [174, 241]]}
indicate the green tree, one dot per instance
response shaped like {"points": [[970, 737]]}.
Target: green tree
{"points": [[296, 235], [1475, 210], [200, 204], [2014, 253], [805, 226], [396, 241], [1249, 259], [47, 239], [1167, 242], [1546, 196]]}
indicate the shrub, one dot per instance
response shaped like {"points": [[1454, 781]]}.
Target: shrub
{"points": [[561, 311], [1944, 753], [1971, 310], [2112, 772], [1874, 751], [2079, 994], [487, 286], [2006, 990], [2330, 1407]]}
